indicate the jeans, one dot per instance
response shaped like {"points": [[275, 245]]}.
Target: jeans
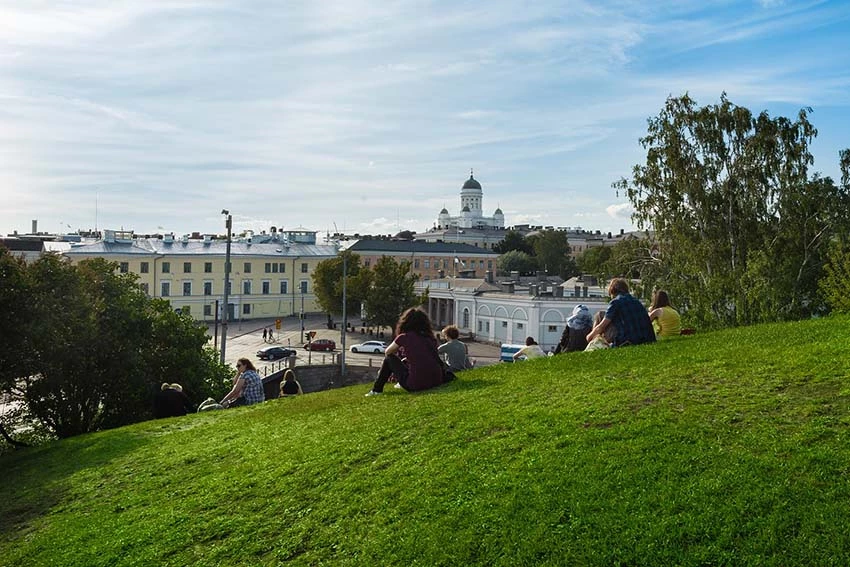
{"points": [[392, 365]]}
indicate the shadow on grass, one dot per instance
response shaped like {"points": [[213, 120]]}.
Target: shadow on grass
{"points": [[43, 475]]}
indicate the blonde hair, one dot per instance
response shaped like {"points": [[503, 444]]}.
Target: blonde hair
{"points": [[167, 386]]}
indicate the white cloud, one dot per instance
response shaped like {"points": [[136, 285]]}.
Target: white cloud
{"points": [[620, 211]]}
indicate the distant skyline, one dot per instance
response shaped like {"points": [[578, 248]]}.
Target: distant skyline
{"points": [[367, 116]]}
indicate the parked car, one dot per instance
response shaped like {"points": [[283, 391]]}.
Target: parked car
{"points": [[320, 344], [377, 347], [274, 352]]}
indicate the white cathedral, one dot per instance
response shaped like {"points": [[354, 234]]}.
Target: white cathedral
{"points": [[471, 198]]}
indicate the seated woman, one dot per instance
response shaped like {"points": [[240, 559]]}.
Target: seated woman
{"points": [[247, 386], [530, 350], [665, 319], [603, 339], [415, 342], [170, 401], [579, 324], [455, 352], [290, 386]]}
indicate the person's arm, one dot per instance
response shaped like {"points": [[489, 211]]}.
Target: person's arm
{"points": [[235, 392], [655, 314], [599, 329], [519, 353], [442, 348], [300, 391], [392, 349]]}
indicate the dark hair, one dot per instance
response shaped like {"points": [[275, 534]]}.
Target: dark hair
{"points": [[618, 286], [451, 332], [288, 375], [246, 364], [659, 299], [530, 341], [414, 321]]}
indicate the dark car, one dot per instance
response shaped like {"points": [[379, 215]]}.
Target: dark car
{"points": [[320, 344], [274, 352]]}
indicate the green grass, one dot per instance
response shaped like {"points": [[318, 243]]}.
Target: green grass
{"points": [[727, 448]]}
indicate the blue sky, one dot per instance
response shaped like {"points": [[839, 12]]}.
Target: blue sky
{"points": [[368, 115]]}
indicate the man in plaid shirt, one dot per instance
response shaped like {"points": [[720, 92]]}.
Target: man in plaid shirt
{"points": [[627, 314]]}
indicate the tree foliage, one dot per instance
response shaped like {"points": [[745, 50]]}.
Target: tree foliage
{"points": [[513, 241], [516, 261], [95, 348], [552, 252], [327, 283], [390, 292], [740, 230]]}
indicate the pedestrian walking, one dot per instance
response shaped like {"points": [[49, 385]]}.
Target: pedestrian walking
{"points": [[265, 334]]}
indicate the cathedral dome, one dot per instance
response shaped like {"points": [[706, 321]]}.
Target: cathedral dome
{"points": [[471, 183], [444, 211], [465, 209], [499, 212]]}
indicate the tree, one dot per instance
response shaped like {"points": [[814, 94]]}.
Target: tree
{"points": [[97, 348], [719, 189], [836, 273], [516, 261], [592, 261], [552, 250], [390, 292], [327, 283], [513, 241]]}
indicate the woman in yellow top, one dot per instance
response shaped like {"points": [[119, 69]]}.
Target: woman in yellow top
{"points": [[664, 318]]}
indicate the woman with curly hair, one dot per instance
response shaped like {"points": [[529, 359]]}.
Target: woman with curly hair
{"points": [[415, 343]]}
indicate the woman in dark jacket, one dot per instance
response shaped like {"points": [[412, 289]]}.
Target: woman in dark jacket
{"points": [[415, 343], [579, 325]]}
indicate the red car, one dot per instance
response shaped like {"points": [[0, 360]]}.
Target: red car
{"points": [[321, 344]]}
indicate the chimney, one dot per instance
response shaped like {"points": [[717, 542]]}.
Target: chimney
{"points": [[508, 287], [584, 291], [168, 238], [488, 276], [534, 290], [557, 291], [514, 276], [578, 291], [207, 239]]}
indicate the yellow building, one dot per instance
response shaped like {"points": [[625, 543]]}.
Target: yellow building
{"points": [[270, 275]]}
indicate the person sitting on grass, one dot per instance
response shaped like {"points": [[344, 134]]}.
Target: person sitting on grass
{"points": [[290, 386], [455, 352], [604, 339], [627, 315], [579, 325], [665, 319], [247, 386], [170, 401], [422, 367], [530, 350]]}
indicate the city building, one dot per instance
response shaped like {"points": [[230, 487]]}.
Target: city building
{"points": [[270, 274], [429, 260]]}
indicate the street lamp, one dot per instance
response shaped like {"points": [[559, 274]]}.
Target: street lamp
{"points": [[229, 225]]}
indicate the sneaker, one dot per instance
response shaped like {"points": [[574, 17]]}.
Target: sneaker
{"points": [[373, 393], [397, 386]]}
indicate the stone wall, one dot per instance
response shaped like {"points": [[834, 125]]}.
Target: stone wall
{"points": [[320, 377]]}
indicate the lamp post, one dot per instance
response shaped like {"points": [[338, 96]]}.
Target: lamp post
{"points": [[344, 316], [224, 314]]}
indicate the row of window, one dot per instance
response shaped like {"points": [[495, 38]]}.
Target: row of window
{"points": [[445, 264], [165, 288], [271, 267]]}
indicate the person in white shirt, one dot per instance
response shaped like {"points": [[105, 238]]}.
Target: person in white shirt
{"points": [[530, 350]]}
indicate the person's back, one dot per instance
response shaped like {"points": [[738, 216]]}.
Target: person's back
{"points": [[631, 319], [455, 354], [669, 322], [170, 403], [253, 391], [422, 360]]}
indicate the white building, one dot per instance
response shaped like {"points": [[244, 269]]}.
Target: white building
{"points": [[471, 211]]}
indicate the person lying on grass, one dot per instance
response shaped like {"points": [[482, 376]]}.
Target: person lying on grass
{"points": [[422, 367], [247, 386]]}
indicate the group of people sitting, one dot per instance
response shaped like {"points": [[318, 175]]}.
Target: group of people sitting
{"points": [[625, 322]]}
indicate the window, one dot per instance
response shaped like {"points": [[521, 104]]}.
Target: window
{"points": [[207, 288], [124, 267], [303, 267], [519, 325], [187, 288], [481, 264], [489, 264], [165, 289], [426, 263], [480, 326], [275, 268], [303, 286], [166, 267], [487, 327], [504, 324], [247, 269], [207, 310], [284, 287], [207, 267], [416, 263], [187, 267], [266, 287], [246, 308], [553, 329], [144, 288], [282, 268], [367, 262], [466, 318], [268, 268], [144, 267], [246, 287]]}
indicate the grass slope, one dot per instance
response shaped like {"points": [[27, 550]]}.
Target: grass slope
{"points": [[728, 448]]}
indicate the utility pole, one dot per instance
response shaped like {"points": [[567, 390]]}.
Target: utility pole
{"points": [[344, 317], [224, 314]]}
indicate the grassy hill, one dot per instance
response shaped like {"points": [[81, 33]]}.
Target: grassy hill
{"points": [[727, 448]]}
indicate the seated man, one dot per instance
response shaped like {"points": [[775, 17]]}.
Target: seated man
{"points": [[627, 314], [454, 352]]}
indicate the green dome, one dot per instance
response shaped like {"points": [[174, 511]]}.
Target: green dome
{"points": [[471, 183]]}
